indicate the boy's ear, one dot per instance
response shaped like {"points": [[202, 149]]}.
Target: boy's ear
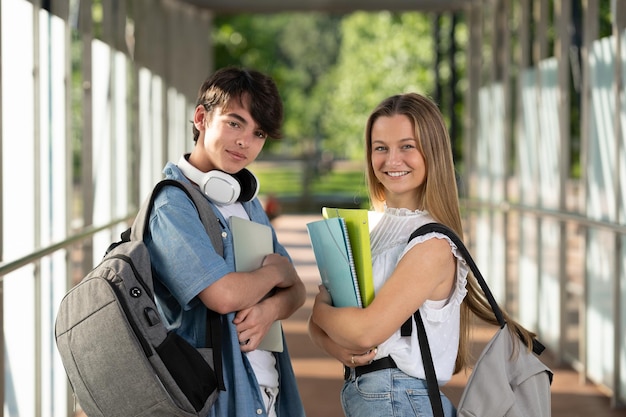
{"points": [[199, 117]]}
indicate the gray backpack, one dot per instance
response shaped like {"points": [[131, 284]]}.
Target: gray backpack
{"points": [[119, 357]]}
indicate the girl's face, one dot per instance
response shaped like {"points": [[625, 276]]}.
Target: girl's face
{"points": [[397, 162]]}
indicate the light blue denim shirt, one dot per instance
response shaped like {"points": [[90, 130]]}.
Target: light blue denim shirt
{"points": [[186, 263]]}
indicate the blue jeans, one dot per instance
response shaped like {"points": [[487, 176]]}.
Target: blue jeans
{"points": [[387, 393]]}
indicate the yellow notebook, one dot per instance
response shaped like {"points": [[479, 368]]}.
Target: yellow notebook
{"points": [[359, 233]]}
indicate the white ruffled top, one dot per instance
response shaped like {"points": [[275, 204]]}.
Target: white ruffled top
{"points": [[441, 318]]}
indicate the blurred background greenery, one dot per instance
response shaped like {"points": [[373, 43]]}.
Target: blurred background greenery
{"points": [[287, 182], [332, 70]]}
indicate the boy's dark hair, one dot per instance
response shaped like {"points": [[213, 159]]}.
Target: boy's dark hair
{"points": [[253, 89]]}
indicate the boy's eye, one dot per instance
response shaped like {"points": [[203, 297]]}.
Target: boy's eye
{"points": [[261, 134]]}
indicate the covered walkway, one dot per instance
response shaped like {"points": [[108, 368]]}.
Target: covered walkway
{"points": [[542, 168]]}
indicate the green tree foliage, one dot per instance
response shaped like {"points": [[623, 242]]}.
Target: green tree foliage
{"points": [[309, 44], [381, 54], [297, 50]]}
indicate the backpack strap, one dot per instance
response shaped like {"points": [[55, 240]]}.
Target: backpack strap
{"points": [[538, 347], [431, 379], [406, 329], [213, 228], [207, 216], [445, 230], [429, 368]]}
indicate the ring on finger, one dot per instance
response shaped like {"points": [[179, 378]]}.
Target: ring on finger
{"points": [[352, 360], [244, 343]]}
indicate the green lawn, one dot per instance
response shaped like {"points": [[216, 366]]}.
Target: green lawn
{"points": [[290, 182], [286, 182]]}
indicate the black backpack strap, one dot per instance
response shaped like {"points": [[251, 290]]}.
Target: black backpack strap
{"points": [[538, 347], [429, 367], [440, 228], [213, 228], [213, 341], [407, 328]]}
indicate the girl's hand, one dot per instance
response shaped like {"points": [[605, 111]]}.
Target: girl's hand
{"points": [[359, 359], [323, 296], [344, 355]]}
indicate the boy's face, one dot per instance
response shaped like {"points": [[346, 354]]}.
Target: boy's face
{"points": [[229, 139]]}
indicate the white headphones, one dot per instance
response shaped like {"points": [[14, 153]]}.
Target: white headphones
{"points": [[222, 188]]}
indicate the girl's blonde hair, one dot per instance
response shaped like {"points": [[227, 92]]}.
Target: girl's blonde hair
{"points": [[438, 195]]}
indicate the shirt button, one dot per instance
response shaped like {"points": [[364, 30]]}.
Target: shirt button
{"points": [[259, 411], [224, 234]]}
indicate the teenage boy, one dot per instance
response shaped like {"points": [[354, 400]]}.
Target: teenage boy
{"points": [[237, 110]]}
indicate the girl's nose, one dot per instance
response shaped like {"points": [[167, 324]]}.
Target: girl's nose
{"points": [[394, 158]]}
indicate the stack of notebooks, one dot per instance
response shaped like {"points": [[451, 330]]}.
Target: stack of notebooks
{"points": [[341, 244]]}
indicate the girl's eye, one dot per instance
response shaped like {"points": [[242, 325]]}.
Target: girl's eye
{"points": [[379, 148]]}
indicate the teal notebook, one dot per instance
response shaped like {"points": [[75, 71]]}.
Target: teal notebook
{"points": [[357, 222], [333, 254]]}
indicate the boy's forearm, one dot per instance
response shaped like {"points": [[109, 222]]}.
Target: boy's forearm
{"points": [[288, 300], [236, 291]]}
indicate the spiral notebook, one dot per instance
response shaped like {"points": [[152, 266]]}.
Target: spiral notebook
{"points": [[252, 242], [333, 254]]}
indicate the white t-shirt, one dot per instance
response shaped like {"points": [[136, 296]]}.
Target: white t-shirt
{"points": [[441, 319]]}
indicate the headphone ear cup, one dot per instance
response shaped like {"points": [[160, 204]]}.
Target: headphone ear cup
{"points": [[249, 185], [221, 188]]}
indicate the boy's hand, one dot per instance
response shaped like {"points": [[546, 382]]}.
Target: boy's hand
{"points": [[252, 325], [285, 269]]}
